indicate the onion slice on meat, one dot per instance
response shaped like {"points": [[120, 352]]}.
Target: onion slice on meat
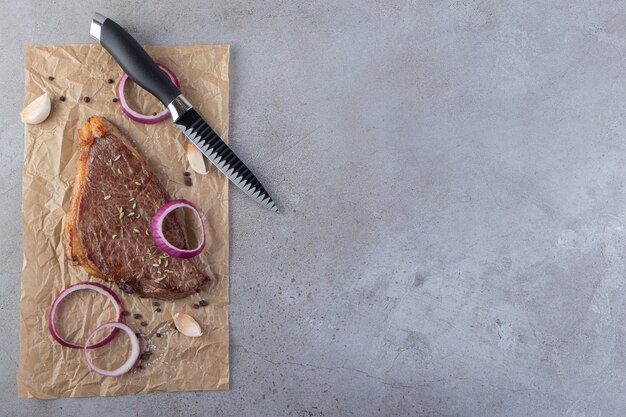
{"points": [[159, 237], [99, 288], [135, 115], [132, 358]]}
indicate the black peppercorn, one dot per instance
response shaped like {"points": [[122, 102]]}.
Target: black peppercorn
{"points": [[114, 99], [51, 78], [158, 310], [137, 334], [62, 98], [154, 114], [141, 367], [186, 174], [156, 304], [144, 323], [137, 315], [188, 182], [110, 80], [198, 290], [196, 306], [203, 303], [125, 313], [158, 334], [86, 99]]}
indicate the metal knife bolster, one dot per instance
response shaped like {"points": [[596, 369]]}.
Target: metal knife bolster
{"points": [[218, 152]]}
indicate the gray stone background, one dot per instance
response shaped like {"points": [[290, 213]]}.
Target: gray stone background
{"points": [[451, 177]]}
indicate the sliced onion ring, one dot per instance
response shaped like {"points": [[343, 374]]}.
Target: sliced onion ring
{"points": [[132, 358], [159, 237], [135, 115], [99, 288]]}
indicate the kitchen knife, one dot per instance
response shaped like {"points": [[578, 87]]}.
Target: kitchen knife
{"points": [[136, 62]]}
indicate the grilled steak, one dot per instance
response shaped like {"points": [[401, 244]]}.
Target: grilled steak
{"points": [[107, 229]]}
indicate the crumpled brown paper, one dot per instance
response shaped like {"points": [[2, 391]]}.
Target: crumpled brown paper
{"points": [[178, 363]]}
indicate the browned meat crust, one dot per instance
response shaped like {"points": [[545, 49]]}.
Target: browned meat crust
{"points": [[107, 228]]}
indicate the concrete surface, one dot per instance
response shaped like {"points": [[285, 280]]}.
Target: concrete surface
{"points": [[451, 175]]}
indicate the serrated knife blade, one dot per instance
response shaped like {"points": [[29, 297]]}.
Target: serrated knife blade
{"points": [[218, 152]]}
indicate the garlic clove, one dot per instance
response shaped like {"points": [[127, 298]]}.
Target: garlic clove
{"points": [[187, 325], [196, 159], [37, 111]]}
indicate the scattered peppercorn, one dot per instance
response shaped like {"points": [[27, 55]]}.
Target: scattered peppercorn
{"points": [[137, 334], [186, 174], [141, 367], [62, 98], [51, 78], [144, 323], [198, 290], [158, 310], [125, 313], [110, 80], [137, 315], [114, 99], [156, 304], [86, 99], [188, 182], [158, 334], [154, 114], [203, 303], [196, 306], [144, 356]]}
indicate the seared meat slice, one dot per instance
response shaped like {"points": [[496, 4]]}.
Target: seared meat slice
{"points": [[107, 229]]}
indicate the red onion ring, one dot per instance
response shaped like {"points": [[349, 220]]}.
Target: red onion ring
{"points": [[159, 237], [132, 358], [99, 288], [135, 115]]}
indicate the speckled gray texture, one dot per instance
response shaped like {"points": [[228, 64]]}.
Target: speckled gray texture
{"points": [[451, 175]]}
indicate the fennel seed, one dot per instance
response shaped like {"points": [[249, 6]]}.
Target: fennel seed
{"points": [[119, 171], [134, 205], [113, 237], [109, 162], [155, 265], [107, 197], [117, 158], [121, 216], [166, 262], [131, 214], [135, 230], [137, 183], [131, 199]]}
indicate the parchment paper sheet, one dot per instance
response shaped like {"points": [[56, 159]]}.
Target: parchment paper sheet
{"points": [[179, 363]]}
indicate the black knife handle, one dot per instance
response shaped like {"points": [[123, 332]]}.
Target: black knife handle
{"points": [[133, 59]]}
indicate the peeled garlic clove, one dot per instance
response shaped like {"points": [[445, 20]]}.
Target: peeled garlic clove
{"points": [[196, 159], [37, 111], [187, 325]]}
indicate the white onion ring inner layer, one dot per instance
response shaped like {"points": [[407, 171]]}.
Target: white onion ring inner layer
{"points": [[135, 115], [132, 358], [159, 237], [99, 288]]}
